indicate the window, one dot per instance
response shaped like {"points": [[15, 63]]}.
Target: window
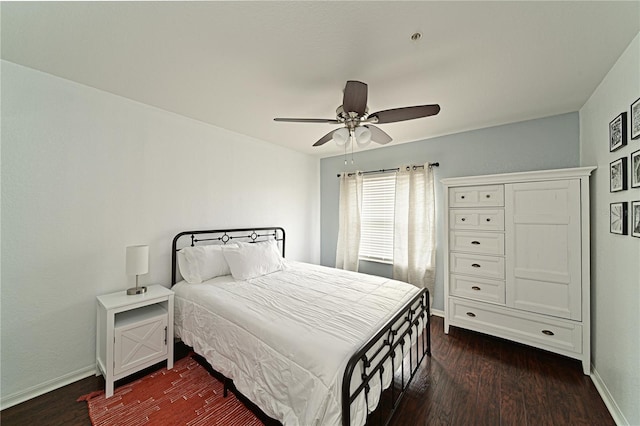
{"points": [[377, 218]]}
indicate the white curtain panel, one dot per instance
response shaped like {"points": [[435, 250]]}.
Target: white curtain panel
{"points": [[350, 203], [414, 234]]}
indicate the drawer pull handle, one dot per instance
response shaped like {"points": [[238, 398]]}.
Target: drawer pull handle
{"points": [[548, 332], [488, 196], [488, 219], [476, 288], [463, 219], [476, 243], [475, 265], [471, 314], [462, 197]]}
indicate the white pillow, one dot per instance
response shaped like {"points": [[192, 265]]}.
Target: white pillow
{"points": [[201, 263], [251, 260]]}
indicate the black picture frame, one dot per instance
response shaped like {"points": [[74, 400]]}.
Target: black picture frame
{"points": [[634, 113], [618, 175], [618, 132], [635, 219], [635, 169], [618, 218]]}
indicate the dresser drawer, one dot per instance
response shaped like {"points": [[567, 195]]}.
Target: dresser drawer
{"points": [[477, 265], [477, 219], [477, 288], [476, 196], [534, 330], [477, 242]]}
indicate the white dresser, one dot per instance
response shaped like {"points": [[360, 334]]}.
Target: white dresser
{"points": [[518, 258]]}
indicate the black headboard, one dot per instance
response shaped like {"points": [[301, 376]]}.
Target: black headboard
{"points": [[222, 236]]}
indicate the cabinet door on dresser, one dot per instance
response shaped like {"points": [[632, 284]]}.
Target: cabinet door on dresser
{"points": [[543, 247]]}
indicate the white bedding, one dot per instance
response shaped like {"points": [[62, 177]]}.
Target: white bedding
{"points": [[285, 338]]}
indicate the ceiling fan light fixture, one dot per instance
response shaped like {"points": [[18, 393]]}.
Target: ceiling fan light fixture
{"points": [[341, 136], [363, 136]]}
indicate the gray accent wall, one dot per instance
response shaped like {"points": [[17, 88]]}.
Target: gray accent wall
{"points": [[541, 144]]}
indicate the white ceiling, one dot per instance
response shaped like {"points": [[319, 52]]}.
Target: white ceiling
{"points": [[237, 65]]}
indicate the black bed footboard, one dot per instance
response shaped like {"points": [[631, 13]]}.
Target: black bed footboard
{"points": [[401, 345]]}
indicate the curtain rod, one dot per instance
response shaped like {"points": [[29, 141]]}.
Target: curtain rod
{"points": [[397, 169]]}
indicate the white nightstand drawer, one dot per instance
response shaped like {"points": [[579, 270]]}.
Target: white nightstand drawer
{"points": [[477, 242], [477, 265], [477, 219], [477, 196], [477, 288]]}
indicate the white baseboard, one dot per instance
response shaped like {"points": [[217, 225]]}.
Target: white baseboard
{"points": [[606, 396], [53, 384], [437, 312]]}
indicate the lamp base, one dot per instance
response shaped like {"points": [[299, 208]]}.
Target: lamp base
{"points": [[136, 290]]}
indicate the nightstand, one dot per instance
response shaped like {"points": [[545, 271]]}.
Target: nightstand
{"points": [[133, 332]]}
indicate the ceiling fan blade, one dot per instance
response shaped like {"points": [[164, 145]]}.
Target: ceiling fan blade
{"points": [[308, 120], [378, 135], [326, 138], [406, 113], [355, 97]]}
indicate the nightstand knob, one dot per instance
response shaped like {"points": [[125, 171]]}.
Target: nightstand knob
{"points": [[548, 332], [471, 314]]}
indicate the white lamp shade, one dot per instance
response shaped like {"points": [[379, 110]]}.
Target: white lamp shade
{"points": [[363, 136], [341, 136], [137, 260]]}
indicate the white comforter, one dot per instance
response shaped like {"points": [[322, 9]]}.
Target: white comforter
{"points": [[286, 337]]}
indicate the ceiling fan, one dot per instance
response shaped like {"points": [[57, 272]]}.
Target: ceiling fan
{"points": [[357, 123]]}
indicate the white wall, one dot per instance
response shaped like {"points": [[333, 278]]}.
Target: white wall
{"points": [[615, 259], [85, 174]]}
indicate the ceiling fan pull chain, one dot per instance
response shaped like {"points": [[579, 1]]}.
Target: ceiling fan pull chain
{"points": [[352, 142], [345, 154]]}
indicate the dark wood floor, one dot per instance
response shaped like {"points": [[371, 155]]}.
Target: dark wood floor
{"points": [[471, 379], [474, 379]]}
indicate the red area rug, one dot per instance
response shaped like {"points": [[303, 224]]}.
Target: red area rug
{"points": [[184, 395]]}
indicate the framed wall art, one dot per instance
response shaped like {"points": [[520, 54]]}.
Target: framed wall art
{"points": [[635, 119], [618, 132], [618, 218], [635, 169], [635, 219], [618, 175]]}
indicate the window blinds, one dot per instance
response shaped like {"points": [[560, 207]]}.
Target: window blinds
{"points": [[377, 217]]}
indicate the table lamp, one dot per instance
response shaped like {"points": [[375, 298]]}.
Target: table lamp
{"points": [[137, 264]]}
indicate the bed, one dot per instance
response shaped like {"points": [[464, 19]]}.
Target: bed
{"points": [[309, 345]]}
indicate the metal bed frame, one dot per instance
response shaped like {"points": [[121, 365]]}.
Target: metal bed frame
{"points": [[411, 322]]}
